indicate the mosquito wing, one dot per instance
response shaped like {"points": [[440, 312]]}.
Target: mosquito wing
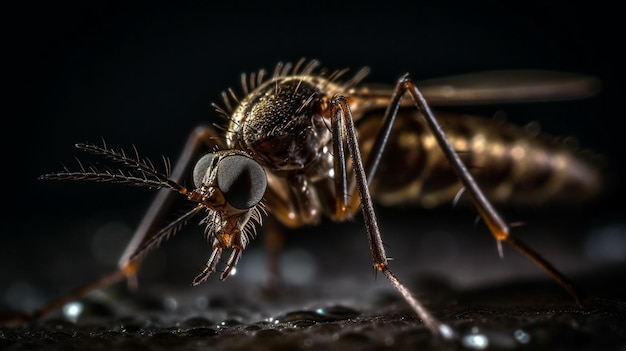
{"points": [[493, 87], [510, 163]]}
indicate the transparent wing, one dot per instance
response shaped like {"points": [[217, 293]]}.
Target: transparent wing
{"points": [[494, 87]]}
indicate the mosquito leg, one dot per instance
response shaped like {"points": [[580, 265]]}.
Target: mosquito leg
{"points": [[54, 305], [494, 221], [339, 164], [76, 294], [340, 109], [148, 227], [373, 159], [201, 138], [232, 263], [209, 268]]}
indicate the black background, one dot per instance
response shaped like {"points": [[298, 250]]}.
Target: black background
{"points": [[145, 75]]}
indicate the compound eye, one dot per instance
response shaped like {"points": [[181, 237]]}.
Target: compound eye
{"points": [[242, 181], [200, 169]]}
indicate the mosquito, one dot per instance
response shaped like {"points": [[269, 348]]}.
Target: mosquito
{"points": [[304, 143]]}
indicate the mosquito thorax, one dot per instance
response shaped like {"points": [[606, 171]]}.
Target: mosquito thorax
{"points": [[281, 124]]}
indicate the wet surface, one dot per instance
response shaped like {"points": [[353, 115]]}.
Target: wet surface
{"points": [[331, 300], [531, 315]]}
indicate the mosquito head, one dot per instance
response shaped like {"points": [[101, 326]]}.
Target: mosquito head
{"points": [[240, 179], [230, 185]]}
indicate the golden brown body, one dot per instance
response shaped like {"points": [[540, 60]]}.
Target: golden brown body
{"points": [[510, 163]]}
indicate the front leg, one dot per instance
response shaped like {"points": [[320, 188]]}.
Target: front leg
{"points": [[341, 119], [149, 227], [201, 138]]}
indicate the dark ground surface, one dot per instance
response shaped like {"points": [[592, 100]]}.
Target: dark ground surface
{"points": [[333, 302], [517, 316], [146, 77]]}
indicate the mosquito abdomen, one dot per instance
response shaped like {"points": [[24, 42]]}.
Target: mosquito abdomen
{"points": [[510, 163]]}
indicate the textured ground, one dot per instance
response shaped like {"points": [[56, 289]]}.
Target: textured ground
{"points": [[524, 316], [335, 303]]}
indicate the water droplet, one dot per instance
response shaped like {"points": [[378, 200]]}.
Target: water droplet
{"points": [[521, 336], [475, 341], [229, 323], [297, 316], [337, 312], [170, 304], [195, 322], [72, 311], [446, 332]]}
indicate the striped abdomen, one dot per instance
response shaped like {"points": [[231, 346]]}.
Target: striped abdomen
{"points": [[511, 164]]}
